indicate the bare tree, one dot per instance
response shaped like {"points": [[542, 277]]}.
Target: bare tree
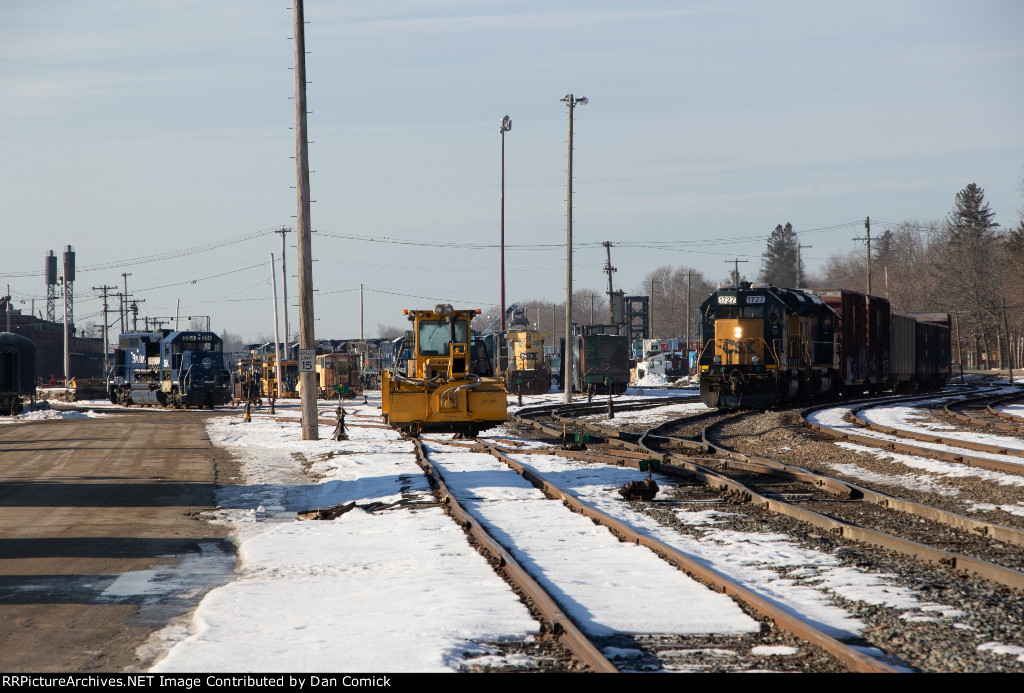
{"points": [[669, 294], [389, 331]]}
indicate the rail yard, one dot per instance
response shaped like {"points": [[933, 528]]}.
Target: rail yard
{"points": [[881, 535]]}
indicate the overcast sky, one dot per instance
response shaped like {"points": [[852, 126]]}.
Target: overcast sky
{"points": [[135, 131]]}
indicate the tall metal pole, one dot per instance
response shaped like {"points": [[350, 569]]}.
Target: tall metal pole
{"points": [[571, 101], [506, 125], [306, 337], [67, 326], [361, 312]]}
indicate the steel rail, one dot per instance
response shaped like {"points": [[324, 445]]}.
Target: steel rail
{"points": [[1001, 425], [957, 562], [963, 564], [908, 448], [852, 658], [1006, 415], [557, 622], [1010, 535]]}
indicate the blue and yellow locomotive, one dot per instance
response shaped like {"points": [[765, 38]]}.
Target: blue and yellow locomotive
{"points": [[170, 369], [764, 344]]}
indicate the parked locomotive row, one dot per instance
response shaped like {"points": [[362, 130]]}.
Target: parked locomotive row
{"points": [[760, 345]]}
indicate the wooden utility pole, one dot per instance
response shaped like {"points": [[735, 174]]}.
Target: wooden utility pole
{"points": [[736, 271], [609, 269], [799, 278], [687, 349], [104, 289], [1006, 332], [277, 340], [867, 237], [650, 308], [284, 282], [306, 336]]}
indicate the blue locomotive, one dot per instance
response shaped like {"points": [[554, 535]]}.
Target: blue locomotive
{"points": [[170, 369]]}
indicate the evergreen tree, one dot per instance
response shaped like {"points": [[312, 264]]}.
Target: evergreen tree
{"points": [[970, 222], [778, 266], [884, 247]]}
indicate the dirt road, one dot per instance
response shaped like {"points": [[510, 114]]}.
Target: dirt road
{"points": [[101, 542]]}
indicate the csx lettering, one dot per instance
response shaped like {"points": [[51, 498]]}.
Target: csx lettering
{"points": [[739, 347]]}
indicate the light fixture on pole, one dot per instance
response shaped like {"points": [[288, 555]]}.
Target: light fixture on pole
{"points": [[571, 101], [506, 125]]}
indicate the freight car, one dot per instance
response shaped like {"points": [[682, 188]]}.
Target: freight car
{"points": [[763, 344], [170, 369], [17, 372], [602, 357], [439, 392]]}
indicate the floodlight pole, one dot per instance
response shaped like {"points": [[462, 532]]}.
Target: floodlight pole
{"points": [[571, 101], [506, 125]]}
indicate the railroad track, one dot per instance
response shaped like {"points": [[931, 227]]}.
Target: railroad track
{"points": [[1005, 454], [967, 546], [657, 646]]}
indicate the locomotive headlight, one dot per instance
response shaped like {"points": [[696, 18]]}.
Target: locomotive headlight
{"points": [[439, 309], [718, 360], [737, 332], [448, 310], [755, 360]]}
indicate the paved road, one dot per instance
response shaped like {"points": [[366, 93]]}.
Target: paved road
{"points": [[101, 542]]}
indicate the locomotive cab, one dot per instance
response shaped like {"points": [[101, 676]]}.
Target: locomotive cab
{"points": [[762, 344]]}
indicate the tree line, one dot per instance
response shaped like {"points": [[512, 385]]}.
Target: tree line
{"points": [[965, 265]]}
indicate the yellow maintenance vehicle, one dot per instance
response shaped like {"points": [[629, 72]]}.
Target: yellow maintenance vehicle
{"points": [[440, 393]]}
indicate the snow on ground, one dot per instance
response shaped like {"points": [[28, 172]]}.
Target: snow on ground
{"points": [[910, 419], [797, 579], [931, 480], [398, 590], [833, 418], [50, 415], [605, 585], [1012, 409], [648, 416]]}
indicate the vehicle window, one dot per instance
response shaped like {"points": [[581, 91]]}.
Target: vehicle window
{"points": [[434, 336]]}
